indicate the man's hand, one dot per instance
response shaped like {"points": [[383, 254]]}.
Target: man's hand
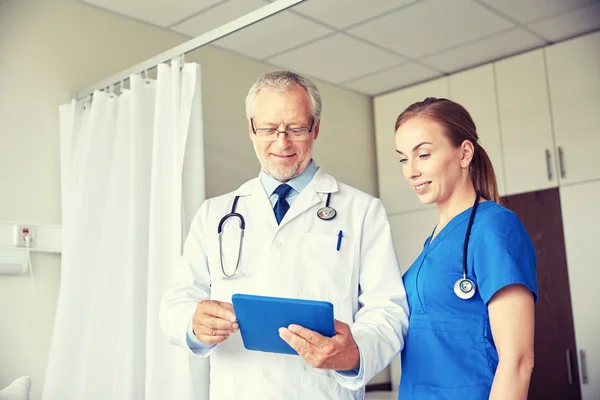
{"points": [[338, 353], [214, 321]]}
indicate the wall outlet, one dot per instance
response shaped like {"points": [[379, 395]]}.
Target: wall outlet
{"points": [[19, 235]]}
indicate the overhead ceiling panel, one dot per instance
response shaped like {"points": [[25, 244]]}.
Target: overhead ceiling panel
{"points": [[343, 13], [392, 78], [431, 26], [273, 35], [217, 16], [569, 24], [484, 50], [336, 59], [159, 12], [534, 10]]}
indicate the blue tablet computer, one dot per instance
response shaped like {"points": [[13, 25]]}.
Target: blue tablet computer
{"points": [[260, 318]]}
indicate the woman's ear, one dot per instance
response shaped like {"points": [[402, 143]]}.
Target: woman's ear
{"points": [[467, 151]]}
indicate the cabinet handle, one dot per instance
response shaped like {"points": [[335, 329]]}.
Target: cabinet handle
{"points": [[561, 163], [584, 370], [549, 164], [569, 371]]}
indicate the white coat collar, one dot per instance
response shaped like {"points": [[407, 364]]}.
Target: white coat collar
{"points": [[321, 183]]}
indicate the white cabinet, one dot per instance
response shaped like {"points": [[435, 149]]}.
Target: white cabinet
{"points": [[524, 110], [394, 191], [581, 225], [475, 89], [574, 86], [409, 231]]}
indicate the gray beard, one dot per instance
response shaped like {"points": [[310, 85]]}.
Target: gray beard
{"points": [[282, 175], [278, 173]]}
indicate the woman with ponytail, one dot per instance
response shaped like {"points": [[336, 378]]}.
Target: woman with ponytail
{"points": [[471, 327]]}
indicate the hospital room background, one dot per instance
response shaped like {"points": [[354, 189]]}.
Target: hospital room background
{"points": [[527, 70]]}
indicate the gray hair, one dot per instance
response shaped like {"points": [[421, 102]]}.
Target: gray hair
{"points": [[284, 80]]}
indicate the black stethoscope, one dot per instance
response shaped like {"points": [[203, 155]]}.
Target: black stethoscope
{"points": [[325, 213], [464, 287]]}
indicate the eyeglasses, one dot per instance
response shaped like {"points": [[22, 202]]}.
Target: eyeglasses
{"points": [[293, 134]]}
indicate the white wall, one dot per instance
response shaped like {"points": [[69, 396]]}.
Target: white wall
{"points": [[51, 48]]}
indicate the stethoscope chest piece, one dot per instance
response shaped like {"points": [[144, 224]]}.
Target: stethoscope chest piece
{"points": [[326, 213], [465, 288]]}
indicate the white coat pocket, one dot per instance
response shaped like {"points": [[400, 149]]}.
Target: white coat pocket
{"points": [[325, 273], [318, 385]]}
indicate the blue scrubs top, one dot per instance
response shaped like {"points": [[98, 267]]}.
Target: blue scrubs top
{"points": [[449, 351]]}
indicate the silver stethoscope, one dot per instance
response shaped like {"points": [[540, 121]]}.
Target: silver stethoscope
{"points": [[464, 287], [325, 213]]}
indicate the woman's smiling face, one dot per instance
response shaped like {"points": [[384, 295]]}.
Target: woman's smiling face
{"points": [[431, 165]]}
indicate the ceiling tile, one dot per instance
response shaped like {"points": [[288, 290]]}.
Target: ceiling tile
{"points": [[343, 13], [485, 50], [569, 24], [534, 10], [336, 59], [159, 12], [273, 35], [217, 16], [431, 26], [391, 79]]}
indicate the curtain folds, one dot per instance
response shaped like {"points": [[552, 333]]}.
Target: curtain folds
{"points": [[132, 171]]}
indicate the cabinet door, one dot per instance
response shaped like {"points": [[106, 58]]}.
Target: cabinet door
{"points": [[475, 90], [394, 191], [574, 85], [555, 375], [581, 222], [527, 142]]}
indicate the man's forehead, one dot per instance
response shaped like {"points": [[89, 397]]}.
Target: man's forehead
{"points": [[281, 104], [270, 93]]}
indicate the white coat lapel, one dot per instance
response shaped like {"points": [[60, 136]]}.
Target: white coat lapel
{"points": [[321, 183], [256, 198], [260, 204]]}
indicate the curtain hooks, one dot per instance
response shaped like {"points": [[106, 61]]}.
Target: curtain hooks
{"points": [[121, 86], [178, 61], [145, 75], [87, 102]]}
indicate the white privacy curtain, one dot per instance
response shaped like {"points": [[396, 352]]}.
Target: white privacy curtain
{"points": [[132, 178]]}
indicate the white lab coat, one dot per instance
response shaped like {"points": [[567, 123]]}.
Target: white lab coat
{"points": [[295, 259]]}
